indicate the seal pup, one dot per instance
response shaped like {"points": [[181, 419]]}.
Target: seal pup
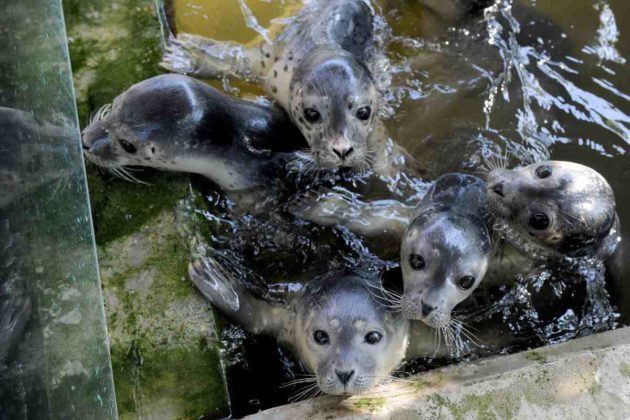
{"points": [[327, 70], [445, 241], [336, 326], [174, 122], [445, 250], [554, 209]]}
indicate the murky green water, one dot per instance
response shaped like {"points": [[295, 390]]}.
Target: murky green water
{"points": [[532, 79]]}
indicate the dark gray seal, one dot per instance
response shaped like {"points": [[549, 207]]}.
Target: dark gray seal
{"points": [[445, 251], [174, 122]]}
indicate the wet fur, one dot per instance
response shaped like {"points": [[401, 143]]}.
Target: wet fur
{"points": [[343, 305]]}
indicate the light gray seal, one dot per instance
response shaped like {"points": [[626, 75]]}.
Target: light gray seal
{"points": [[554, 209], [445, 250], [336, 325], [327, 70]]}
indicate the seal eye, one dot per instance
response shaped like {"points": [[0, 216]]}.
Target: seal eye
{"points": [[312, 115], [416, 261], [373, 337], [321, 337], [543, 171], [466, 282], [539, 221], [364, 113], [127, 146]]}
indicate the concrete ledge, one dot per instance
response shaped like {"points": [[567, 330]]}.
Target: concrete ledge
{"points": [[583, 378]]}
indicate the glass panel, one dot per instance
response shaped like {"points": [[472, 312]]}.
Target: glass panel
{"points": [[54, 358]]}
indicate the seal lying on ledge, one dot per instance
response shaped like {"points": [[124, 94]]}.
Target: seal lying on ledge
{"points": [[173, 122], [337, 327], [326, 70], [446, 241]]}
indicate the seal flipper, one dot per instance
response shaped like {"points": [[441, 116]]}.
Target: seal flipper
{"points": [[329, 208], [228, 295], [207, 58]]}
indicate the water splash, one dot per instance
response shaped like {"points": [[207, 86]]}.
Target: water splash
{"points": [[252, 23], [607, 36]]}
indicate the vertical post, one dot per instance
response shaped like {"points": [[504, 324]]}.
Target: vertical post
{"points": [[54, 353]]}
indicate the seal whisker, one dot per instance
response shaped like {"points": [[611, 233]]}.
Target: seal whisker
{"points": [[465, 331], [302, 394], [130, 177], [100, 114], [386, 302], [307, 380], [457, 338]]}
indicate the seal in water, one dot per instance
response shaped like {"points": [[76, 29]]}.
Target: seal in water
{"points": [[336, 325], [326, 70], [174, 122], [446, 241], [445, 250], [554, 209]]}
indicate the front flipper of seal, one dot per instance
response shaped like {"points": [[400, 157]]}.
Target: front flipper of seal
{"points": [[204, 57], [331, 208], [225, 292]]}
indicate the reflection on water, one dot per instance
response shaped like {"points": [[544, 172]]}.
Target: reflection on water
{"points": [[525, 80]]}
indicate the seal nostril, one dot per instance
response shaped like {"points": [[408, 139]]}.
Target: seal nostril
{"points": [[426, 309], [343, 153], [344, 376], [498, 189], [85, 147]]}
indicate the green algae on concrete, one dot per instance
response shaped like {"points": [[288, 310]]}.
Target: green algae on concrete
{"points": [[370, 404], [112, 46], [161, 331], [535, 356], [119, 207], [164, 357]]}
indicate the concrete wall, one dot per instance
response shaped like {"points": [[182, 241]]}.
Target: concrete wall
{"points": [[587, 378]]}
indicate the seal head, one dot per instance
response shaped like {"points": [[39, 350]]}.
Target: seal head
{"points": [[445, 250], [553, 208], [334, 102], [444, 257], [346, 338]]}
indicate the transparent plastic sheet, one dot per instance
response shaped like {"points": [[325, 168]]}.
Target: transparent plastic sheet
{"points": [[54, 354]]}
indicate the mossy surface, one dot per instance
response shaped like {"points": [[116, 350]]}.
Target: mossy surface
{"points": [[164, 354], [536, 357], [161, 331], [112, 46], [370, 404], [119, 207]]}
